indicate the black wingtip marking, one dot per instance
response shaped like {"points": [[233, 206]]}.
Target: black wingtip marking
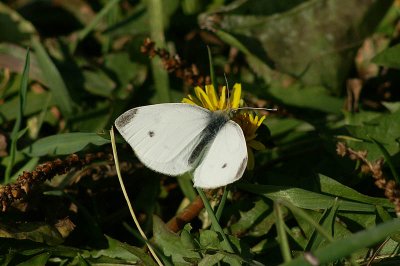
{"points": [[224, 165], [125, 118], [151, 134]]}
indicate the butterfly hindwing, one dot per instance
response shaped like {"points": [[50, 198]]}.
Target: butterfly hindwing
{"points": [[225, 159], [163, 136]]}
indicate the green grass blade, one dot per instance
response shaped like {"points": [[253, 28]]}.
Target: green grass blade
{"points": [[212, 72], [214, 221], [52, 76], [103, 12], [345, 247], [22, 102], [160, 76], [221, 205], [307, 218], [282, 237], [327, 221], [186, 185]]}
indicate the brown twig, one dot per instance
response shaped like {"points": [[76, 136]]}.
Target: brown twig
{"points": [[173, 64], [391, 188], [187, 215], [17, 191]]}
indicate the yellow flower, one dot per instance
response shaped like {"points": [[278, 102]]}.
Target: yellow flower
{"points": [[209, 99], [249, 123]]}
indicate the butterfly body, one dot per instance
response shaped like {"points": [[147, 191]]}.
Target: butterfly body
{"points": [[174, 138]]}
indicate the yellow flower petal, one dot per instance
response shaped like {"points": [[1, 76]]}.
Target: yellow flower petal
{"points": [[248, 121], [261, 120], [204, 99], [222, 99], [186, 100], [197, 91], [210, 91], [236, 95], [252, 118]]}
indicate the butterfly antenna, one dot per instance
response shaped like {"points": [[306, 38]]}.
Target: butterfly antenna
{"points": [[227, 89], [258, 108]]}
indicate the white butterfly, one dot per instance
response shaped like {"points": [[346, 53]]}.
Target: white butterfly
{"points": [[174, 138]]}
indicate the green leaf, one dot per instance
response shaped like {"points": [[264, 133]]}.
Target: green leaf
{"points": [[13, 57], [214, 222], [389, 57], [314, 98], [53, 77], [98, 83], [35, 231], [392, 106], [209, 240], [330, 186], [384, 129], [259, 220], [304, 198], [94, 119], [327, 222], [17, 126], [14, 28], [346, 246], [119, 250], [170, 243], [187, 239], [40, 259], [34, 104], [258, 66], [307, 220], [63, 144], [145, 259], [135, 23], [126, 70], [309, 41], [211, 259], [129, 254], [383, 215]]}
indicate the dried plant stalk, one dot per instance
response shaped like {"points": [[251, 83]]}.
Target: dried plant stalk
{"points": [[17, 191], [391, 188], [173, 64]]}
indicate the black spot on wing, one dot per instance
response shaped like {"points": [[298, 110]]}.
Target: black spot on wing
{"points": [[224, 165], [151, 134], [125, 118]]}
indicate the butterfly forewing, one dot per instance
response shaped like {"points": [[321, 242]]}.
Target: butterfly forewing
{"points": [[225, 159], [163, 136]]}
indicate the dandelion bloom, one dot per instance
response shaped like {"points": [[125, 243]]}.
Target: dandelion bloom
{"points": [[209, 99]]}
